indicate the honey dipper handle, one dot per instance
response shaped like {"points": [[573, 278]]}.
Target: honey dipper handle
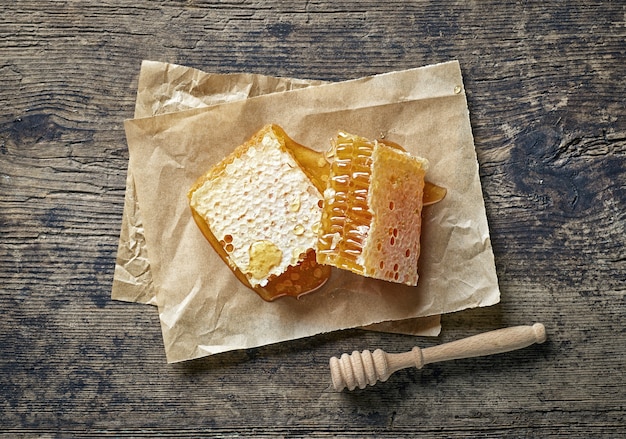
{"points": [[488, 343]]}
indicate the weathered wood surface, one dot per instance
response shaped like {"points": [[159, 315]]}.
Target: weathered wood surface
{"points": [[545, 84]]}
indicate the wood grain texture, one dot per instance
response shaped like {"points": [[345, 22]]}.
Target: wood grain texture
{"points": [[546, 97]]}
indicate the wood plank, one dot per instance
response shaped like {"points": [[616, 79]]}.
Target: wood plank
{"points": [[544, 84]]}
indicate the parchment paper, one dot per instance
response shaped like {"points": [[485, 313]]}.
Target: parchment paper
{"points": [[165, 88], [204, 310]]}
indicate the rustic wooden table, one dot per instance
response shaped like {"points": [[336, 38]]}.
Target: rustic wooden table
{"points": [[545, 86]]}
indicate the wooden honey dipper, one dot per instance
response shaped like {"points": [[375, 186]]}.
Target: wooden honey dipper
{"points": [[363, 368]]}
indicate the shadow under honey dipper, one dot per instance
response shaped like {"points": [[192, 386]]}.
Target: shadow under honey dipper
{"points": [[367, 368]]}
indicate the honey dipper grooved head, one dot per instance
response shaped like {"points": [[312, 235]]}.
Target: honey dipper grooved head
{"points": [[358, 369]]}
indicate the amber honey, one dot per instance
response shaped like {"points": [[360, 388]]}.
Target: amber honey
{"points": [[346, 216]]}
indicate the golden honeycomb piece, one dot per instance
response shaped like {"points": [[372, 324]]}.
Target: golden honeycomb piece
{"points": [[371, 218]]}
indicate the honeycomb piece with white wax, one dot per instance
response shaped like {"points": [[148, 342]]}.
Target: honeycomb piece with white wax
{"points": [[261, 213]]}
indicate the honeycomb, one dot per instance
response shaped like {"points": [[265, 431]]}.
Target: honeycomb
{"points": [[261, 213], [371, 217]]}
